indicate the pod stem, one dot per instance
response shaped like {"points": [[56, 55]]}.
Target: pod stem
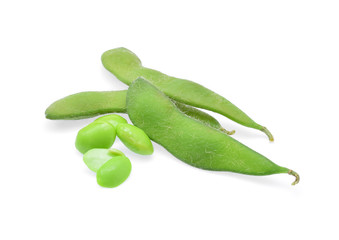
{"points": [[297, 178], [268, 133], [226, 131]]}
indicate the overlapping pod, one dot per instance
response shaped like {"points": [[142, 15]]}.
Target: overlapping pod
{"points": [[126, 66], [90, 104], [188, 139]]}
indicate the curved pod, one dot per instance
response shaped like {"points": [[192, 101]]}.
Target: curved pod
{"points": [[189, 140], [126, 66]]}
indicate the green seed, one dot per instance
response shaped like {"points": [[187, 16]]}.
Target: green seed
{"points": [[95, 135], [135, 139], [127, 67], [114, 172], [189, 140], [112, 119], [96, 157]]}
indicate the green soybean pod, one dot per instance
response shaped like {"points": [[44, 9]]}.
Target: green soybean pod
{"points": [[87, 104], [96, 157], [114, 172], [201, 116], [126, 66], [95, 135], [189, 140], [134, 139], [81, 105], [112, 119]]}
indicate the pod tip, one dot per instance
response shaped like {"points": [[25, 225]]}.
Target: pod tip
{"points": [[296, 175], [268, 133], [227, 132]]}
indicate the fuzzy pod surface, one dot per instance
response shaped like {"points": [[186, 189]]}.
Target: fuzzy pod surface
{"points": [[189, 140]]}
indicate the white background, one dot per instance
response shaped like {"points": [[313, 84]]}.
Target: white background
{"points": [[276, 60]]}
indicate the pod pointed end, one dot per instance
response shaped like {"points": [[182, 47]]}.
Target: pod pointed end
{"points": [[296, 175], [268, 133], [227, 132]]}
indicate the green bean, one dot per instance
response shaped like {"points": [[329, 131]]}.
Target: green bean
{"points": [[95, 135], [134, 139], [96, 157], [83, 105], [114, 172], [189, 140], [112, 119], [126, 66]]}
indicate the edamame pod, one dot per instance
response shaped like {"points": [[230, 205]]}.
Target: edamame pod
{"points": [[95, 135], [189, 140], [126, 66], [96, 157], [201, 116], [114, 172], [87, 104], [135, 139], [84, 105]]}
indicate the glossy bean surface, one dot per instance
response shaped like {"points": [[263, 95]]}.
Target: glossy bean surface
{"points": [[126, 66], [95, 135], [114, 172], [112, 119], [135, 139], [189, 140], [96, 157]]}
